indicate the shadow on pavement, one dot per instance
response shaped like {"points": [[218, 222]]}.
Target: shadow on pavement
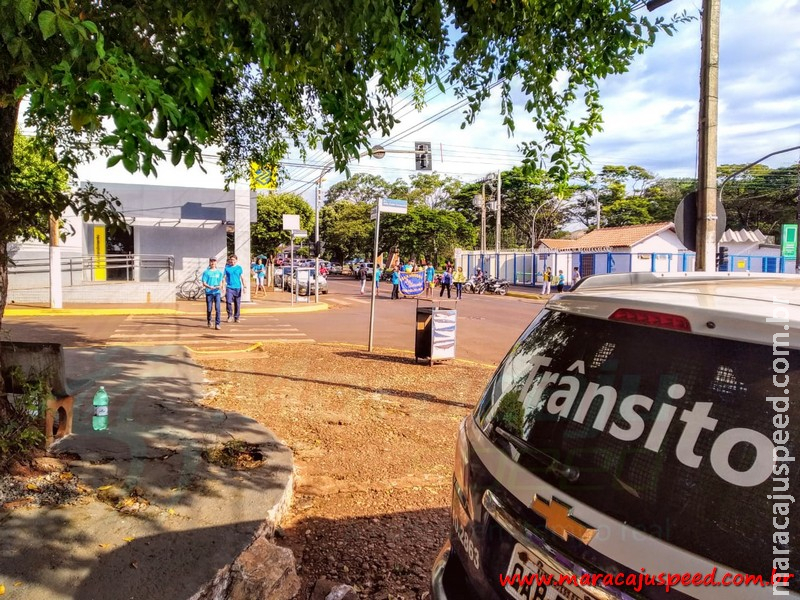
{"points": [[55, 330], [158, 519], [397, 392], [168, 565]]}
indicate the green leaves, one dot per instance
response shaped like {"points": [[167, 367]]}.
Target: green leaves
{"points": [[47, 23], [310, 73], [25, 10]]}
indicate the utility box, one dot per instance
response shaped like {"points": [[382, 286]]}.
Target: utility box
{"points": [[436, 330]]}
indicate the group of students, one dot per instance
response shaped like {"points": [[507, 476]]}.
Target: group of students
{"points": [[447, 279], [230, 281], [548, 278]]}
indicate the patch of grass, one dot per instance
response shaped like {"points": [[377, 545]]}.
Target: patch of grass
{"points": [[235, 454]]}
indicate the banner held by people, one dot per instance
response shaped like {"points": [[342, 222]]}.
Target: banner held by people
{"points": [[412, 284]]}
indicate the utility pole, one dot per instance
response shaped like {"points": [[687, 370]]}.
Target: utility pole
{"points": [[797, 256], [597, 210], [499, 229], [707, 152], [483, 222], [316, 241]]}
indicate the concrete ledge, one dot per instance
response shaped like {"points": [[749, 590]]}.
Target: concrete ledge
{"points": [[11, 311]]}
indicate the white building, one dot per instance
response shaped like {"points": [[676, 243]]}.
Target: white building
{"points": [[173, 232], [753, 251], [654, 247]]}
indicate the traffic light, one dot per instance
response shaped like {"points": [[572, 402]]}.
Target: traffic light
{"points": [[319, 248], [722, 258], [423, 157]]}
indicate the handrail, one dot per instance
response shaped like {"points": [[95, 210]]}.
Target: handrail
{"points": [[132, 264]]}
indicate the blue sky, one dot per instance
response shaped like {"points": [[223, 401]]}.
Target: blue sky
{"points": [[650, 112]]}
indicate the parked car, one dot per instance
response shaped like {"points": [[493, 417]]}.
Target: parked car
{"points": [[281, 275], [358, 267], [336, 269], [301, 281], [639, 427], [353, 264]]}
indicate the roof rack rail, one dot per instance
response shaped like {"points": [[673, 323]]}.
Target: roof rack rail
{"points": [[607, 280]]}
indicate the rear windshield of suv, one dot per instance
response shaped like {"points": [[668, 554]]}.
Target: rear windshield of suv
{"points": [[669, 432]]}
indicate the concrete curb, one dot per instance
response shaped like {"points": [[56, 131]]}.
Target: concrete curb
{"points": [[95, 312], [526, 295]]}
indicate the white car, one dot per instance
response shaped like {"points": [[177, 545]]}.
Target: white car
{"points": [[301, 280], [358, 269], [637, 442]]}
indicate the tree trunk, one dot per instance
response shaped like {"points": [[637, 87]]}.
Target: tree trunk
{"points": [[9, 110]]}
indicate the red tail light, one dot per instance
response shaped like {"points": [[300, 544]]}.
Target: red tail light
{"points": [[651, 319]]}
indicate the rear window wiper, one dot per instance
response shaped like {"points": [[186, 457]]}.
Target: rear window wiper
{"points": [[555, 466]]}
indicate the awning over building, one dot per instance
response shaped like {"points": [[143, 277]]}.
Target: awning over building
{"points": [[168, 222]]}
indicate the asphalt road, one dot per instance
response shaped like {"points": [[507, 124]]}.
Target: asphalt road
{"points": [[487, 325]]}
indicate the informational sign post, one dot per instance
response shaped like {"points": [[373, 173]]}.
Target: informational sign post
{"points": [[389, 205], [435, 337], [789, 240], [443, 334]]}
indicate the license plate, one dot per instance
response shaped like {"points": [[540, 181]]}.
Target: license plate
{"points": [[523, 565]]}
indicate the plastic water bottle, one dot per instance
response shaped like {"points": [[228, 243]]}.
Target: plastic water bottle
{"points": [[100, 402]]}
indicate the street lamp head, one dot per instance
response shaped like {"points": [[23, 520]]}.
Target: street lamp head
{"points": [[655, 4]]}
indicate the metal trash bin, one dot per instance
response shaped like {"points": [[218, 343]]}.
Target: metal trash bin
{"points": [[435, 330]]}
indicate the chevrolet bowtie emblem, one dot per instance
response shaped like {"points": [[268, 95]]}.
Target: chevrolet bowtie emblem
{"points": [[559, 520]]}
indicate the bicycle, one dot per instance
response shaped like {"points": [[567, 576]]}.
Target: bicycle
{"points": [[191, 289]]}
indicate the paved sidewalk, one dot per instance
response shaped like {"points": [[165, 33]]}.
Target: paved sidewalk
{"points": [[272, 302], [178, 519]]}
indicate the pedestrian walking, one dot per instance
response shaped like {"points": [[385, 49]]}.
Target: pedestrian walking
{"points": [[396, 284], [260, 272], [447, 280], [459, 278], [560, 281], [576, 277], [547, 278], [234, 282], [378, 273], [212, 282], [362, 275]]}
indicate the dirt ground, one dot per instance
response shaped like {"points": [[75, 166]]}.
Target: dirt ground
{"points": [[373, 440]]}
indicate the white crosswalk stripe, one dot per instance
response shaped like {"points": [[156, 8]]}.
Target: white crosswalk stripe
{"points": [[192, 331]]}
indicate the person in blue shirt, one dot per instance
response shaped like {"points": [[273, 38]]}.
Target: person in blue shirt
{"points": [[212, 282], [430, 273], [378, 272], [234, 282], [260, 271], [560, 281], [396, 284]]}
